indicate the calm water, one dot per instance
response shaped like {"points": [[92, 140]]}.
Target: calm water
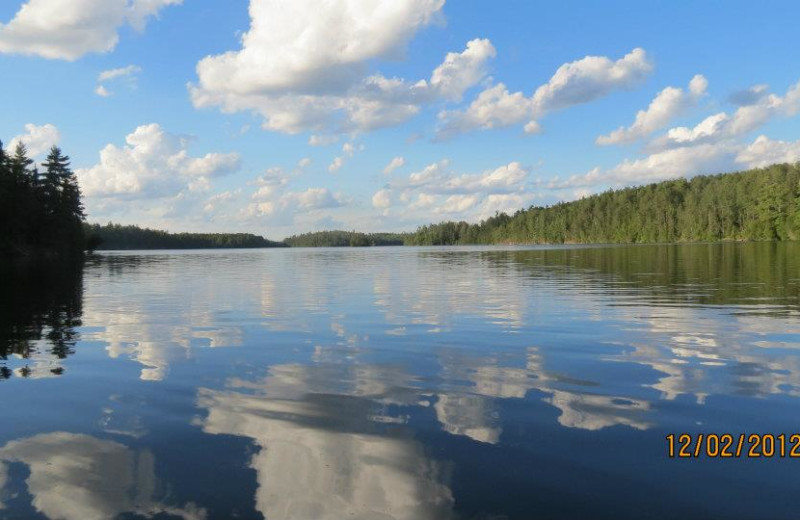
{"points": [[399, 383]]}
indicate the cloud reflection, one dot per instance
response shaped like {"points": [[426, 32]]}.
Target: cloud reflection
{"points": [[79, 477], [322, 454]]}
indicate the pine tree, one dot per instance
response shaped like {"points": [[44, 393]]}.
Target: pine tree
{"points": [[62, 198]]}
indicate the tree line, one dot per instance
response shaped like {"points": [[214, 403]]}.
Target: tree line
{"points": [[759, 204], [40, 211], [345, 239], [116, 236]]}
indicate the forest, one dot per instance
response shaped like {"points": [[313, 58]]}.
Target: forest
{"points": [[759, 204], [40, 211], [41, 214], [345, 239], [115, 236]]}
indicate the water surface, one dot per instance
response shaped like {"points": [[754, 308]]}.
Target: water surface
{"points": [[405, 383]]}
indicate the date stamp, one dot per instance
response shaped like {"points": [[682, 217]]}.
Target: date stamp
{"points": [[728, 445]]}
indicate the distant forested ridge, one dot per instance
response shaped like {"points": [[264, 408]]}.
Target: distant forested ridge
{"points": [[761, 204], [115, 236], [346, 239], [40, 211]]}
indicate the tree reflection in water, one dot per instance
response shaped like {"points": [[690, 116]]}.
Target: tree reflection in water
{"points": [[40, 308]]}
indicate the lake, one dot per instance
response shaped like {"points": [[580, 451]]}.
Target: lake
{"points": [[402, 383]]}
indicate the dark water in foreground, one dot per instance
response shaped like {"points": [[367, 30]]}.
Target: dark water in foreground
{"points": [[400, 383]]}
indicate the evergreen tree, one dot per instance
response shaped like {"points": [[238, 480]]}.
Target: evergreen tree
{"points": [[39, 214]]}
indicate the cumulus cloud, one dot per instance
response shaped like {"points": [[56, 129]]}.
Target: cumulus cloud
{"points": [[213, 203], [348, 150], [153, 163], [271, 202], [55, 29], [667, 105], [495, 107], [336, 164], [273, 198], [714, 145], [723, 126], [382, 199], [457, 204], [129, 72], [397, 162], [437, 189], [321, 82], [749, 96], [509, 177], [573, 83], [764, 151], [37, 139], [322, 140], [590, 78], [110, 74], [337, 39], [460, 71], [305, 162], [668, 164], [312, 198]]}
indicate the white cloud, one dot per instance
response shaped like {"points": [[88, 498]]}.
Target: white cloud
{"points": [[67, 30], [214, 202], [320, 82], [272, 201], [457, 204], [397, 162], [590, 78], [667, 164], [435, 178], [460, 71], [336, 164], [337, 39], [437, 189], [495, 107], [764, 151], [424, 200], [212, 164], [532, 127], [714, 145], [312, 198], [382, 199], [153, 163], [722, 126], [573, 83], [305, 162], [128, 72], [509, 177], [38, 139], [668, 104], [705, 128], [749, 96], [348, 150], [429, 173], [322, 140], [503, 203], [110, 74]]}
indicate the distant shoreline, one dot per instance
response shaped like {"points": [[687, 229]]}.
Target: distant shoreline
{"points": [[755, 205]]}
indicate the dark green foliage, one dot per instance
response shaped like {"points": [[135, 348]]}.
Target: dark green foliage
{"points": [[345, 239], [114, 236], [762, 204], [40, 299], [40, 214]]}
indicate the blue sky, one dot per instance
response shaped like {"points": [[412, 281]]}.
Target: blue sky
{"points": [[282, 117]]}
